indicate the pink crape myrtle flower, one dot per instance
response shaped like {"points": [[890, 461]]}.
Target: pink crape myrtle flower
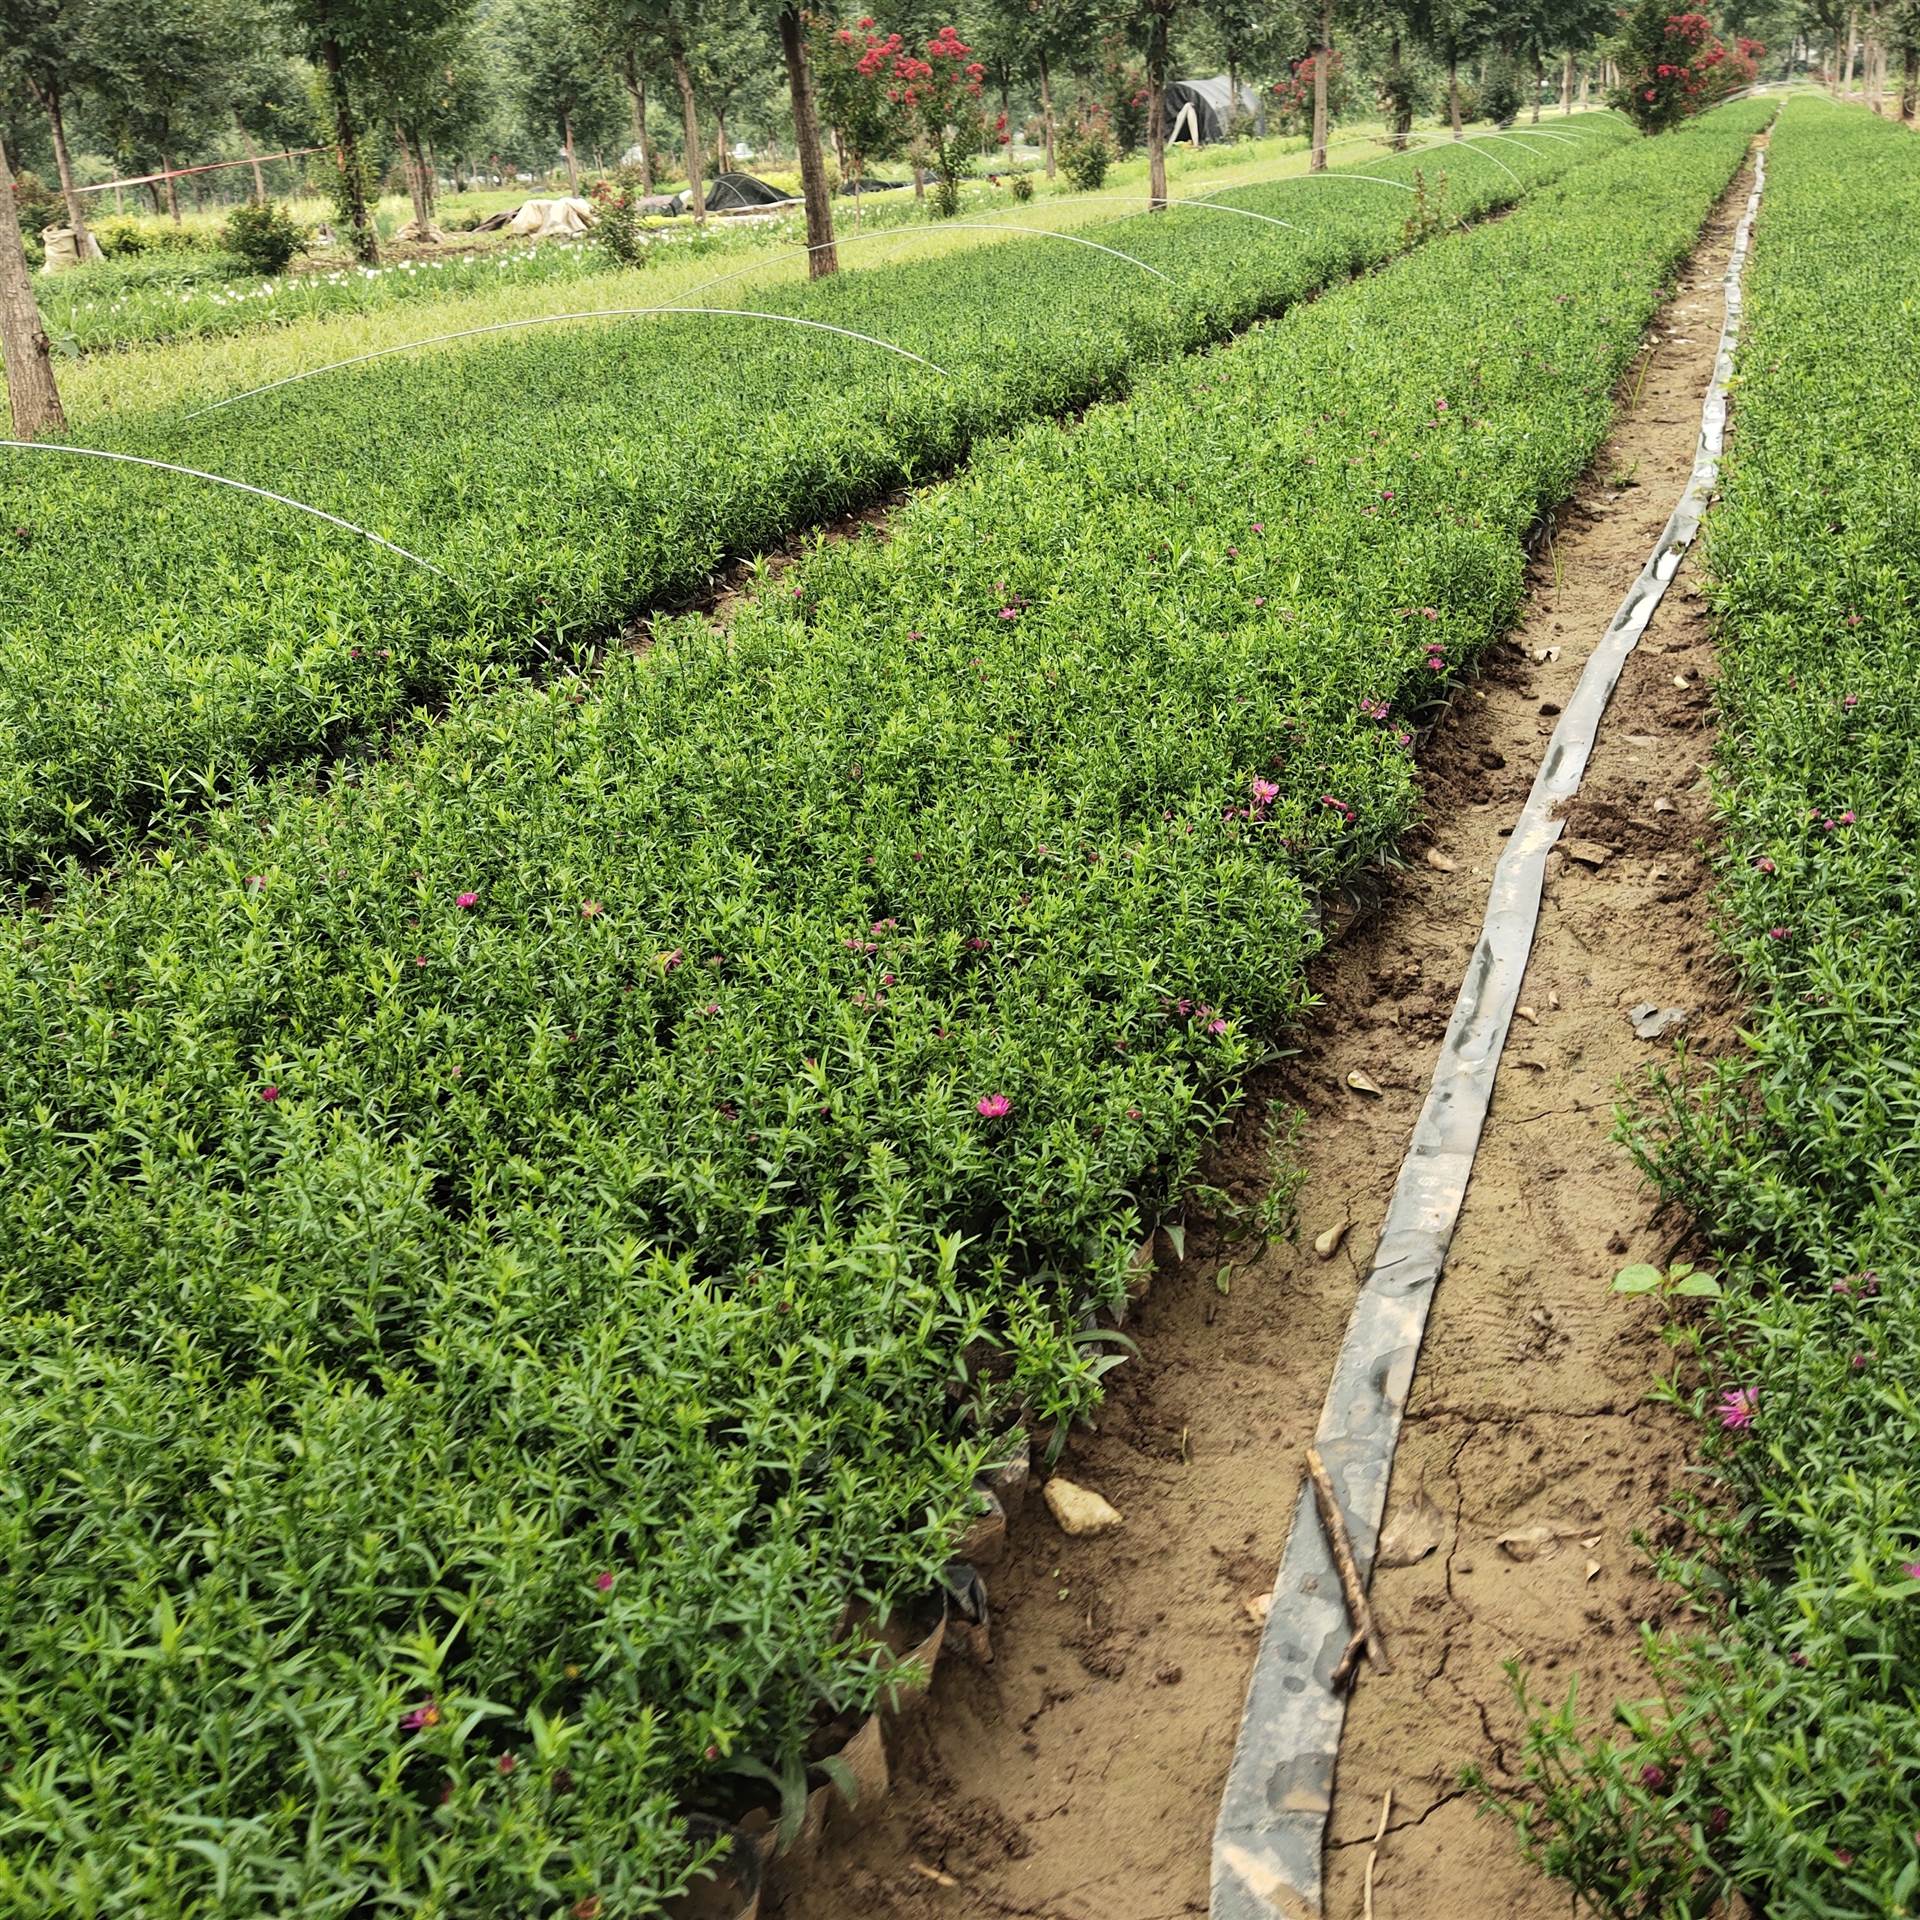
{"points": [[993, 1106], [1738, 1408]]}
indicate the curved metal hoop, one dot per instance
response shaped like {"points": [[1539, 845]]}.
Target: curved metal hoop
{"points": [[553, 319], [1213, 206], [908, 233], [239, 486], [1344, 173]]}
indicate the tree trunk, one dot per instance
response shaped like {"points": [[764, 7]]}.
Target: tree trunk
{"points": [[916, 161], [1322, 56], [1453, 92], [430, 177], [1046, 113], [689, 127], [253, 161], [637, 103], [1846, 78], [1586, 81], [1157, 109], [365, 241], [171, 184], [1393, 92], [1539, 81], [822, 256], [1909, 79], [573, 165], [1566, 84], [719, 143], [415, 170], [85, 245], [24, 349]]}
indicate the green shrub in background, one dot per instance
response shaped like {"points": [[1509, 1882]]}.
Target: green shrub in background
{"points": [[266, 237], [1087, 152], [620, 231]]}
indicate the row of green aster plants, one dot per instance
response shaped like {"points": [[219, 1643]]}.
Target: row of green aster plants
{"points": [[160, 637], [511, 1252], [1782, 1759]]}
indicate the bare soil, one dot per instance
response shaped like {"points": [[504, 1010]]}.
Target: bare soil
{"points": [[1077, 1775]]}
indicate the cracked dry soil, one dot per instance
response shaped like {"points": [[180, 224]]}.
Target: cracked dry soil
{"points": [[1077, 1775]]}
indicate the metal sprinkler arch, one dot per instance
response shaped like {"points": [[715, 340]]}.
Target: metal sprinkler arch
{"points": [[238, 486], [909, 233], [554, 319], [1343, 173], [1214, 206]]}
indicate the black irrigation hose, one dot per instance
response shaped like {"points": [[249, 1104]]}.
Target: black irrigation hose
{"points": [[1268, 1839]]}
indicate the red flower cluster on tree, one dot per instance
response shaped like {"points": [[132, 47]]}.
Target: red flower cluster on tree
{"points": [[1673, 64]]}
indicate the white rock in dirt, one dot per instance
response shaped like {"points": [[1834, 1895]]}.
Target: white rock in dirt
{"points": [[1327, 1244], [1079, 1510], [1655, 1023]]}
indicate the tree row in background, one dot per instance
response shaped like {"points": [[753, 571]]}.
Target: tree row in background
{"points": [[432, 88]]}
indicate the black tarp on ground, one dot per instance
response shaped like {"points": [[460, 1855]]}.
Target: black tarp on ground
{"points": [[736, 193], [1213, 104]]}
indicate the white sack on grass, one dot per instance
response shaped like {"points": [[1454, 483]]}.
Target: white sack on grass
{"points": [[541, 219]]}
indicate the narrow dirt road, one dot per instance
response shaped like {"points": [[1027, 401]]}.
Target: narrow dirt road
{"points": [[1076, 1777]]}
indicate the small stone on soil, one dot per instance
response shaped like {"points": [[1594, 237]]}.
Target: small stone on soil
{"points": [[1655, 1023], [1590, 853], [1079, 1510]]}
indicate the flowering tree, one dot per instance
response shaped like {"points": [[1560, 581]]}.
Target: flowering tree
{"points": [[852, 75], [1673, 64], [939, 93], [1294, 95]]}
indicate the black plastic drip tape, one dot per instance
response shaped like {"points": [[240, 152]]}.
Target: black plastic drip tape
{"points": [[1268, 1839]]}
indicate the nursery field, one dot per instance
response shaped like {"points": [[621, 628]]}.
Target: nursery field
{"points": [[1781, 1761], [182, 286], [518, 1234], [163, 636]]}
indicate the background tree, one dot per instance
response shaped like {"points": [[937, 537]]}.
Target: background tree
{"points": [[162, 70], [1051, 35], [789, 27], [47, 42], [852, 69], [25, 354], [557, 65], [364, 49]]}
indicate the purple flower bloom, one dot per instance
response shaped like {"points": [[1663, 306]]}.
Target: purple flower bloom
{"points": [[993, 1106], [466, 902], [603, 1582], [1738, 1407], [426, 1714], [269, 1092]]}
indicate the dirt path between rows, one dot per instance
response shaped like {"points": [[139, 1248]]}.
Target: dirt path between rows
{"points": [[1077, 1776]]}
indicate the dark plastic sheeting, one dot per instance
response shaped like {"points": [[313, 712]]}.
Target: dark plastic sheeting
{"points": [[1268, 1840]]}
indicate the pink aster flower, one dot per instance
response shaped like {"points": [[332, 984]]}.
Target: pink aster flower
{"points": [[1776, 933], [1738, 1407], [426, 1714], [603, 1582], [1912, 1569], [993, 1106], [507, 1763], [1764, 865], [1216, 1026], [1265, 792], [466, 902], [269, 1092]]}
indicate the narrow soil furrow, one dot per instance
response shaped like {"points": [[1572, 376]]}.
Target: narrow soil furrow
{"points": [[1076, 1776]]}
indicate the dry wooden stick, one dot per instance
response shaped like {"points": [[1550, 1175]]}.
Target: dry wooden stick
{"points": [[1373, 1858], [1366, 1635]]}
